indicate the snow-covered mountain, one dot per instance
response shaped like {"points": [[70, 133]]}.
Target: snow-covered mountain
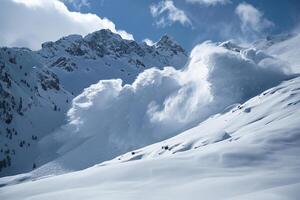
{"points": [[32, 104], [226, 126], [248, 151], [37, 87], [81, 61], [110, 118]]}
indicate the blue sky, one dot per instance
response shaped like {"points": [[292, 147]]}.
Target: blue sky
{"points": [[219, 22], [29, 23]]}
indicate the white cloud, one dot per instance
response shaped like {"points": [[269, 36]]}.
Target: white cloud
{"points": [[209, 2], [252, 19], [31, 22], [148, 42], [167, 14]]}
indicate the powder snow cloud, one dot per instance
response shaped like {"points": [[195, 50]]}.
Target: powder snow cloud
{"points": [[28, 23], [159, 104]]}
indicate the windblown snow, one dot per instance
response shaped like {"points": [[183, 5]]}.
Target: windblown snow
{"points": [[225, 126], [110, 118], [249, 151]]}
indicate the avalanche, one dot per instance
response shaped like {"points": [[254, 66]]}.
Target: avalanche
{"points": [[41, 83], [108, 119], [226, 126], [249, 151]]}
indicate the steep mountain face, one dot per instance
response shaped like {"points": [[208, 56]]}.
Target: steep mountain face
{"points": [[37, 87], [32, 103], [249, 151], [81, 61]]}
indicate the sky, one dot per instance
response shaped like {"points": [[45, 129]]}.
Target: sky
{"points": [[28, 23]]}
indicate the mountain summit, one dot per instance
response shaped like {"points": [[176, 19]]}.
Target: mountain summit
{"points": [[105, 55]]}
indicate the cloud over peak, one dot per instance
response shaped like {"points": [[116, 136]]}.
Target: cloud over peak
{"points": [[29, 23], [166, 13]]}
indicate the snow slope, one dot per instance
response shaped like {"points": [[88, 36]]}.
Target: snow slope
{"points": [[284, 47], [110, 118], [32, 104], [248, 151]]}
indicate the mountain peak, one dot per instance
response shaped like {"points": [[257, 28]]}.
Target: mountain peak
{"points": [[102, 35], [166, 39], [167, 43]]}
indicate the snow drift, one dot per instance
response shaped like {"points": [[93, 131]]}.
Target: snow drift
{"points": [[109, 118]]}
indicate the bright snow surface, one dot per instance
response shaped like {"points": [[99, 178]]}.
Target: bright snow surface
{"points": [[109, 118], [250, 151], [285, 48]]}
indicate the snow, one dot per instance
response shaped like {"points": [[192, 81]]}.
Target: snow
{"points": [[258, 161], [284, 47], [81, 61], [110, 118], [226, 126], [44, 81], [30, 91]]}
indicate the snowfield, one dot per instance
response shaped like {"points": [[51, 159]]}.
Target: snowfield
{"points": [[249, 151], [226, 126]]}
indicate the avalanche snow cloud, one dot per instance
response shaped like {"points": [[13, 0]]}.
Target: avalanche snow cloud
{"points": [[109, 118]]}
